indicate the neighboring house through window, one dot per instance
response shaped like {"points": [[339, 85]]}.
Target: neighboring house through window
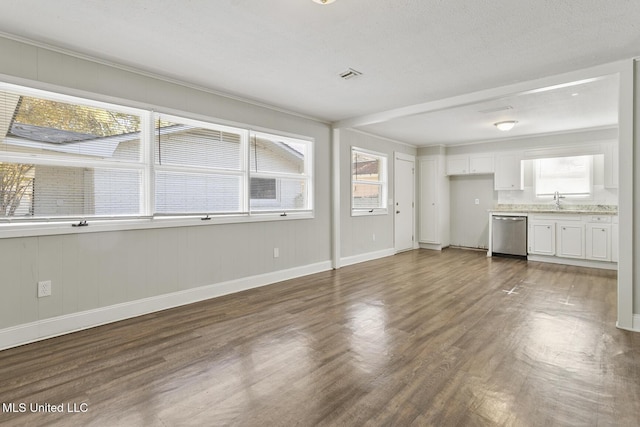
{"points": [[67, 157], [368, 182]]}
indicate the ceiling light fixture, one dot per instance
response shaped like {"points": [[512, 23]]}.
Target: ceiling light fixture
{"points": [[324, 1], [506, 125]]}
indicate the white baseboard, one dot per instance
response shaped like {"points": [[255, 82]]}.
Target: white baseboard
{"points": [[369, 256], [432, 246], [60, 325], [635, 324], [576, 262]]}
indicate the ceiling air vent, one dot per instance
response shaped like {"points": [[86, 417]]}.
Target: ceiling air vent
{"points": [[350, 73]]}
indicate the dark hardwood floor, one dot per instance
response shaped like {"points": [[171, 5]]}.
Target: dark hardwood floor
{"points": [[422, 338]]}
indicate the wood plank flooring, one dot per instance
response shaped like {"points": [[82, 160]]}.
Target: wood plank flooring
{"points": [[422, 338]]}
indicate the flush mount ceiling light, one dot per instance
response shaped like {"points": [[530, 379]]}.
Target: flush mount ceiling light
{"points": [[506, 125], [324, 1]]}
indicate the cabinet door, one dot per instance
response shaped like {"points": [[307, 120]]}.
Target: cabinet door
{"points": [[457, 165], [429, 201], [508, 172], [481, 164], [599, 242], [570, 240], [614, 242], [542, 238]]}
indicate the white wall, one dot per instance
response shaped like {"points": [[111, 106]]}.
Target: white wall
{"points": [[94, 271], [357, 233]]}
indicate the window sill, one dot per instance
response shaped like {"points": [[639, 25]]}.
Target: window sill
{"points": [[372, 212], [34, 229]]}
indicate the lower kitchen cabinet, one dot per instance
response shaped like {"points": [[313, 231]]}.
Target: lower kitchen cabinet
{"points": [[614, 239], [570, 240], [599, 242], [542, 237], [588, 237]]}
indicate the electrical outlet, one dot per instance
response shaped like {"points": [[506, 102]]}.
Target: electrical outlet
{"points": [[276, 252], [44, 288], [477, 201]]}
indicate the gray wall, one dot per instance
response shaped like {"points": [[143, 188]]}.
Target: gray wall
{"points": [[470, 222], [356, 234], [96, 270]]}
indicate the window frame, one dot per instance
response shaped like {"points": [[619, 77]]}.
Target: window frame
{"points": [[566, 195], [11, 227], [383, 182], [72, 160], [173, 168], [306, 176]]}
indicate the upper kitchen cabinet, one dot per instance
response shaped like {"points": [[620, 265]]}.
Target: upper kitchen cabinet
{"points": [[457, 165], [470, 164], [508, 171], [481, 163]]}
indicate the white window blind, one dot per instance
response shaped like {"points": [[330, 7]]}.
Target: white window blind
{"points": [[570, 176], [280, 173], [65, 157], [199, 167], [368, 181]]}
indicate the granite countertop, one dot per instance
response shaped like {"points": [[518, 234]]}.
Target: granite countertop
{"points": [[568, 209]]}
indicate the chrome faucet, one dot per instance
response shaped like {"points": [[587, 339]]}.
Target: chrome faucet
{"points": [[557, 197]]}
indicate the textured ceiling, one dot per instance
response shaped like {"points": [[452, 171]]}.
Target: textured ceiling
{"points": [[288, 53]]}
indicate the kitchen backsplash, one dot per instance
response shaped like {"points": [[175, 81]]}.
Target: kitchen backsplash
{"points": [[533, 207]]}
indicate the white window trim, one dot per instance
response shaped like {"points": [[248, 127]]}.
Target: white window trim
{"points": [[565, 196], [383, 210], [307, 176], [42, 226]]}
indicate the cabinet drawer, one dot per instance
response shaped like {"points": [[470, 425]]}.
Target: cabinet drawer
{"points": [[600, 219]]}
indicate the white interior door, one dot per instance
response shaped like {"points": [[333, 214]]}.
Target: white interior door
{"points": [[404, 183]]}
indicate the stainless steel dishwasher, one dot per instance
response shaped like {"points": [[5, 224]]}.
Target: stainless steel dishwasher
{"points": [[509, 235]]}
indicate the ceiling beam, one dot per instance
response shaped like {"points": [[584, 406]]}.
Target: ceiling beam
{"points": [[520, 88]]}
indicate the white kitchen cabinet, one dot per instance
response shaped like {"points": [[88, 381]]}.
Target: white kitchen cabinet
{"points": [[614, 238], [434, 202], [471, 164], [542, 237], [570, 240], [481, 163], [508, 172], [599, 242], [457, 165]]}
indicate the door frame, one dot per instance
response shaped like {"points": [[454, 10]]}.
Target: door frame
{"points": [[398, 156]]}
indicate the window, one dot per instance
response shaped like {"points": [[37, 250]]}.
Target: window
{"points": [[280, 171], [66, 157], [368, 182], [199, 167], [263, 189], [570, 176]]}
